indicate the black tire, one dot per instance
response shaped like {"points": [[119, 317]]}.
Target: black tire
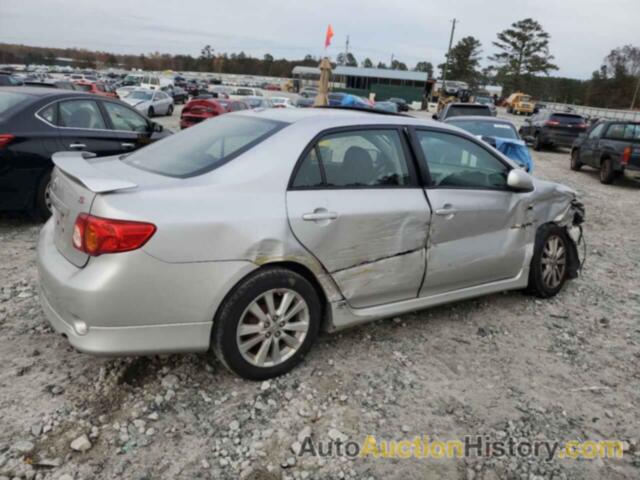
{"points": [[41, 210], [576, 164], [150, 112], [537, 143], [170, 111], [225, 327], [607, 174], [539, 284]]}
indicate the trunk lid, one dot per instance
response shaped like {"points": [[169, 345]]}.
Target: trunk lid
{"points": [[74, 185]]}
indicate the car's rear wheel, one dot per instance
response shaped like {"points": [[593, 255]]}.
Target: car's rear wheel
{"points": [[549, 265], [42, 203], [607, 174], [576, 164], [267, 324], [170, 110]]}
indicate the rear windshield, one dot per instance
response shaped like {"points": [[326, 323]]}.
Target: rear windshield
{"points": [[204, 147], [486, 129], [460, 111], [9, 100], [244, 91], [567, 119], [624, 131]]}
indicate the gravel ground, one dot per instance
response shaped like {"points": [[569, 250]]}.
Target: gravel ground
{"points": [[503, 365]]}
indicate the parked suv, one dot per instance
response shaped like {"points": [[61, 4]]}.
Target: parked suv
{"points": [[611, 146], [550, 129], [463, 109]]}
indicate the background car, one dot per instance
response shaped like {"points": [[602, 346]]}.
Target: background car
{"points": [[389, 106], [281, 102], [247, 92], [547, 129], [488, 101], [97, 88], [150, 102], [8, 79], [202, 108], [500, 134], [245, 233], [304, 102], [122, 92], [402, 104], [308, 92], [610, 146], [36, 122], [258, 102], [463, 110], [63, 84], [178, 94]]}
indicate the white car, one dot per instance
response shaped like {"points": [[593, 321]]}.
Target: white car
{"points": [[281, 102], [124, 91], [247, 92], [150, 102]]}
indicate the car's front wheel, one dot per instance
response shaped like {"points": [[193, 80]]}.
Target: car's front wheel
{"points": [[549, 266], [607, 174], [267, 324], [170, 110]]}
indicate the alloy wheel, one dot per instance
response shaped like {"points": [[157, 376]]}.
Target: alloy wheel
{"points": [[273, 327], [554, 261]]}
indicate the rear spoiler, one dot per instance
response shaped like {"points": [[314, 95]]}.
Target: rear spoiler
{"points": [[75, 165]]}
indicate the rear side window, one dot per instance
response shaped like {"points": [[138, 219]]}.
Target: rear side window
{"points": [[567, 119], [205, 147], [624, 131], [8, 100], [80, 114], [363, 158]]}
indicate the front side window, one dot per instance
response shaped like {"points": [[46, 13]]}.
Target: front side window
{"points": [[123, 118], [81, 114], [205, 147], [363, 158], [457, 162], [595, 132]]}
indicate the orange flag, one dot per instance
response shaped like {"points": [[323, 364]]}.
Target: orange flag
{"points": [[327, 40]]}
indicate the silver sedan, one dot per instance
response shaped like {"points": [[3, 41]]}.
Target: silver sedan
{"points": [[150, 102], [250, 232]]}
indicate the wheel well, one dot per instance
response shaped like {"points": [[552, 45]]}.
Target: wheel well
{"points": [[308, 275]]}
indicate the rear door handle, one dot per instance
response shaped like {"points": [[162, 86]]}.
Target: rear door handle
{"points": [[128, 146], [315, 216], [77, 146]]}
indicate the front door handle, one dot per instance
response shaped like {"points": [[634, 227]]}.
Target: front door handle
{"points": [[128, 146], [77, 146], [447, 211], [319, 215]]}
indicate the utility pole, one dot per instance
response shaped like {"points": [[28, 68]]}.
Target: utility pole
{"points": [[346, 48], [446, 62], [391, 62], [635, 93]]}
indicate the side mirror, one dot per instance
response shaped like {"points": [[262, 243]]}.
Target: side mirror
{"points": [[519, 180], [156, 127]]}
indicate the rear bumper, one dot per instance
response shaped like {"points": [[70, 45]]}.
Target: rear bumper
{"points": [[132, 303], [632, 173], [558, 139]]}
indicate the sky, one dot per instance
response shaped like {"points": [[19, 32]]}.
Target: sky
{"points": [[582, 32]]}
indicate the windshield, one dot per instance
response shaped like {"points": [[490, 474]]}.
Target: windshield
{"points": [[244, 91], [567, 119], [132, 80], [464, 110], [83, 87], [486, 129], [484, 100], [525, 98], [205, 147], [138, 95]]}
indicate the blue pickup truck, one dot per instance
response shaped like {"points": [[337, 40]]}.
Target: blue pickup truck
{"points": [[611, 146]]}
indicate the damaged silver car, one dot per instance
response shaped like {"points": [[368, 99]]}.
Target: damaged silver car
{"points": [[249, 233]]}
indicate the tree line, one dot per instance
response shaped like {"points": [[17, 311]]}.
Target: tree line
{"points": [[522, 62]]}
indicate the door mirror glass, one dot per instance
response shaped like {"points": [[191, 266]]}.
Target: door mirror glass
{"points": [[519, 180]]}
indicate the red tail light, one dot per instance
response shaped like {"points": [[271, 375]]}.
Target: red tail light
{"points": [[626, 155], [96, 235], [552, 123], [582, 125], [5, 140]]}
